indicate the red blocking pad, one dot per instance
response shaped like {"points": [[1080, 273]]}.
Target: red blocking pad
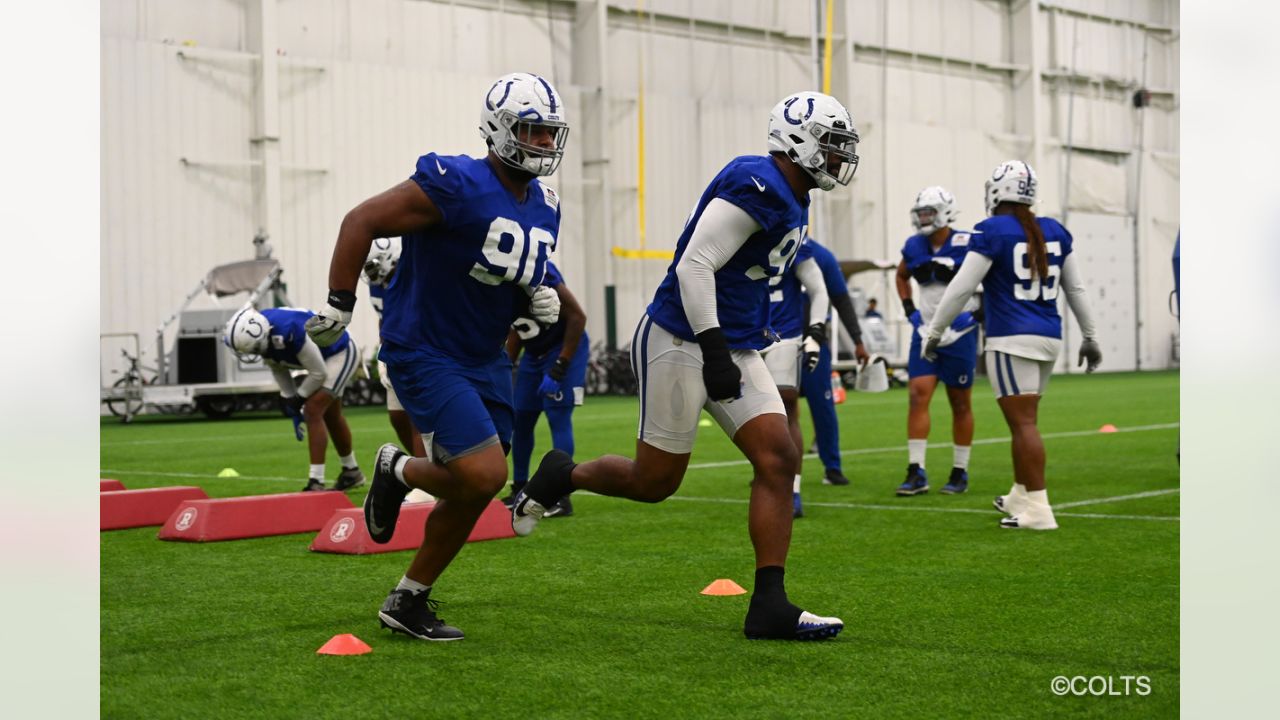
{"points": [[139, 508], [237, 518], [105, 485], [346, 534]]}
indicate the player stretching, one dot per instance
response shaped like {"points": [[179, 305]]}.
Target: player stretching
{"points": [[550, 378], [699, 346], [815, 382], [802, 341], [1020, 260], [278, 337], [933, 256], [476, 236]]}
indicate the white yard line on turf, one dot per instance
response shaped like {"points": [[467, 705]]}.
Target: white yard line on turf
{"points": [[1117, 498], [203, 476], [744, 501], [924, 508], [984, 441]]}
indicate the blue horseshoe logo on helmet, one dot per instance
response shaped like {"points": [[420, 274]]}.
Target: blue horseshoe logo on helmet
{"points": [[505, 92], [786, 111]]}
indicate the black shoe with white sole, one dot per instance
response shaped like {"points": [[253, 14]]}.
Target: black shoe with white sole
{"points": [[382, 504], [414, 614], [314, 485], [833, 476], [349, 478], [564, 508]]}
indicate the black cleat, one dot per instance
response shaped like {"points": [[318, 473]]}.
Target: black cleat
{"points": [[548, 484], [382, 504], [415, 615], [349, 478], [833, 476], [563, 508], [314, 485], [778, 619]]}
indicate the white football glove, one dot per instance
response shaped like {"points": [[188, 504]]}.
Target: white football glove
{"points": [[544, 305], [930, 350], [327, 326]]}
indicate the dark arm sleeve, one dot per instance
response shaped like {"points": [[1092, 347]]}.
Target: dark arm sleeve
{"points": [[844, 306]]}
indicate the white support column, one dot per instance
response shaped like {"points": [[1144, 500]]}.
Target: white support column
{"points": [[265, 143], [590, 72], [1026, 43]]}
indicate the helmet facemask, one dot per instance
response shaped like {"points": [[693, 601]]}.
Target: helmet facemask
{"points": [[521, 152], [836, 144]]}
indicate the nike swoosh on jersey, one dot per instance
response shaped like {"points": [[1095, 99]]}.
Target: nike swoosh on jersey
{"points": [[441, 168], [759, 185]]}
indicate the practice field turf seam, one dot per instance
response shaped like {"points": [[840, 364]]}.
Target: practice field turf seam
{"points": [[933, 445]]}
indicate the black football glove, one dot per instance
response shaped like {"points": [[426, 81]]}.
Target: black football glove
{"points": [[719, 373]]}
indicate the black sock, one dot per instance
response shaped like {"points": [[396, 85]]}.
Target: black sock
{"points": [[553, 478], [769, 581]]}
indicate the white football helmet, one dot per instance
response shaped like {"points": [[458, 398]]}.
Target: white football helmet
{"points": [[513, 107], [814, 129], [380, 265], [247, 334], [1011, 181], [934, 208]]}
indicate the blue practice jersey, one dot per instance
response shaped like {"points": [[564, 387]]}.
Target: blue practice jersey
{"points": [[787, 299], [1018, 304], [756, 185], [376, 294], [289, 334], [458, 285], [832, 275], [929, 266], [541, 339]]}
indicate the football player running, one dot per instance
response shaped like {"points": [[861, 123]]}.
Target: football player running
{"points": [[551, 378], [698, 346], [277, 336], [933, 256], [476, 236], [379, 270], [815, 382], [1022, 261], [801, 345]]}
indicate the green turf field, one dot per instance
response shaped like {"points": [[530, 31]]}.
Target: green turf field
{"points": [[599, 615]]}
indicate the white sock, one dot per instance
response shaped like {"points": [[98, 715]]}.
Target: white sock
{"points": [[915, 451], [795, 486], [1038, 497], [399, 469], [412, 586], [1018, 490], [961, 455], [317, 472], [348, 461]]}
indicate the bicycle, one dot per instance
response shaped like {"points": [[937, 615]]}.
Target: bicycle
{"points": [[126, 399]]}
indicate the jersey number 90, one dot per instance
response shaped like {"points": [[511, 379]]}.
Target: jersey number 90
{"points": [[1036, 290], [513, 264]]}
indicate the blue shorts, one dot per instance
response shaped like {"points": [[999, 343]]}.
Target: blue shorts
{"points": [[531, 370], [955, 364], [459, 409]]}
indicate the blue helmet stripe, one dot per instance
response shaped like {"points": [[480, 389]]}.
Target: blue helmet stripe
{"points": [[550, 93]]}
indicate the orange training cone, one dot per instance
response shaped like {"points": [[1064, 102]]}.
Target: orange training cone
{"points": [[723, 587], [1108, 428], [344, 644]]}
